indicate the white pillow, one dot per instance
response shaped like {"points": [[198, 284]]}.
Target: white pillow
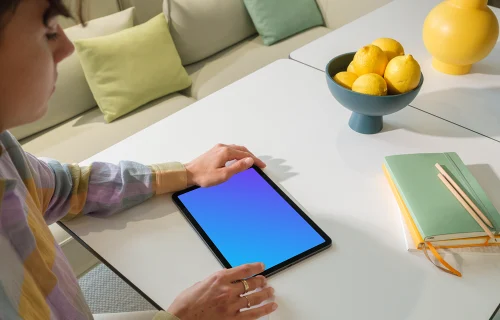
{"points": [[91, 9], [201, 28], [73, 96]]}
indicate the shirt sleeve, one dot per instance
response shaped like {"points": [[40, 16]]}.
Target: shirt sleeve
{"points": [[162, 315], [103, 189]]}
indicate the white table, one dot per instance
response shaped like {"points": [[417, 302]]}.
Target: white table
{"points": [[286, 115], [472, 100]]}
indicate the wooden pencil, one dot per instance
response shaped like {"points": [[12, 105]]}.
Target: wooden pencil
{"points": [[467, 207], [464, 195]]}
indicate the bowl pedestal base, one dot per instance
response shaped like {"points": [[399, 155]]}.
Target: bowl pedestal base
{"points": [[365, 124]]}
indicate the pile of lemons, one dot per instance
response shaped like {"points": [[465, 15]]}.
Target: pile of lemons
{"points": [[381, 68]]}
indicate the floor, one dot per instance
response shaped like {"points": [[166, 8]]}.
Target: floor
{"points": [[105, 292]]}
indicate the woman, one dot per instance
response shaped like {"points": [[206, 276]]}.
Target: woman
{"points": [[36, 281]]}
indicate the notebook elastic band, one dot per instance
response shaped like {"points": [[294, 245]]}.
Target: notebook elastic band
{"points": [[447, 267]]}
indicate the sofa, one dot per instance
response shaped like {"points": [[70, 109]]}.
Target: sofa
{"points": [[222, 47]]}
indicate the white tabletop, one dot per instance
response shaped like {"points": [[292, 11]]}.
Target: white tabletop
{"points": [[470, 100], [286, 115]]}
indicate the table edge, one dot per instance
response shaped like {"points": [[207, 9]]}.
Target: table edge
{"points": [[109, 265]]}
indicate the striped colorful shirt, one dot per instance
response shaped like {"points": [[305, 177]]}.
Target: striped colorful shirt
{"points": [[36, 280]]}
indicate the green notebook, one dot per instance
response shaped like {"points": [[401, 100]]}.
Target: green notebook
{"points": [[436, 212]]}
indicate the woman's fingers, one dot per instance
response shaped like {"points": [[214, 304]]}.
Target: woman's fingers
{"points": [[245, 160], [229, 153], [237, 167], [258, 162], [218, 296], [210, 168], [255, 298], [257, 313], [235, 152], [244, 271], [253, 283]]}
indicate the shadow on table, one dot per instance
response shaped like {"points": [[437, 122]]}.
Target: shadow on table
{"points": [[475, 105], [277, 169], [152, 209], [489, 181], [359, 278], [490, 64]]}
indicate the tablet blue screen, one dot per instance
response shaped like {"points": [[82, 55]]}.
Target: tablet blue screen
{"points": [[248, 221]]}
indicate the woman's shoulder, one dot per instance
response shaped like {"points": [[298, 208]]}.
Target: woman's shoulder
{"points": [[14, 163], [8, 141]]}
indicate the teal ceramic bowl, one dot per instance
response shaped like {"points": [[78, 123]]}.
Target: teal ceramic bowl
{"points": [[367, 110]]}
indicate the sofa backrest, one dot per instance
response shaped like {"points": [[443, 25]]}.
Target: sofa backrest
{"points": [[203, 28], [336, 13], [199, 28]]}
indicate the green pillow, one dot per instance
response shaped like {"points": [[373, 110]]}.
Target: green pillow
{"points": [[276, 20], [132, 67]]}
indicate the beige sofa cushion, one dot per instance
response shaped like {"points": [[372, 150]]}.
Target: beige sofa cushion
{"points": [[242, 59], [83, 136], [73, 95], [336, 13], [201, 28]]}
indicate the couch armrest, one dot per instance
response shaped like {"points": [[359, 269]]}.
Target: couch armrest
{"points": [[336, 13]]}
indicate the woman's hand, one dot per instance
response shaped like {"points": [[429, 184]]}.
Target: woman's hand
{"points": [[219, 296], [210, 168]]}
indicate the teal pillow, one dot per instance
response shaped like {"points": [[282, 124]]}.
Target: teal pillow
{"points": [[276, 20]]}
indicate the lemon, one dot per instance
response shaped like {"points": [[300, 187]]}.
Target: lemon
{"points": [[402, 74], [350, 68], [370, 83], [391, 47], [369, 59], [345, 79]]}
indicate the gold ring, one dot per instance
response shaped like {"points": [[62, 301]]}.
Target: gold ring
{"points": [[245, 285], [248, 302]]}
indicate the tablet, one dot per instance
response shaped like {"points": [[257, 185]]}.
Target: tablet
{"points": [[250, 219]]}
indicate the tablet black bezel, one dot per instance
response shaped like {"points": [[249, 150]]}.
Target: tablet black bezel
{"points": [[283, 265]]}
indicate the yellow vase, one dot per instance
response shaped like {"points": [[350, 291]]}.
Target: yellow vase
{"points": [[459, 33]]}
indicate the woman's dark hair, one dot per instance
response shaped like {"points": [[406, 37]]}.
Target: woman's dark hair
{"points": [[8, 7]]}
